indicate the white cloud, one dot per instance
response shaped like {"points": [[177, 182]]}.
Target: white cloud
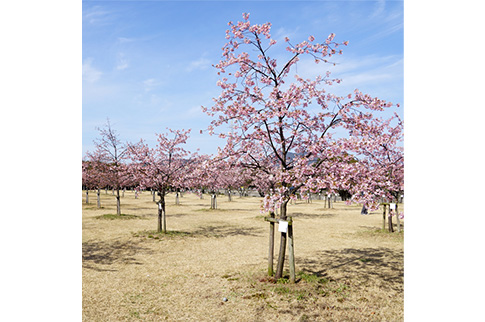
{"points": [[122, 62], [201, 64], [150, 84], [379, 8], [97, 15], [90, 74], [123, 40]]}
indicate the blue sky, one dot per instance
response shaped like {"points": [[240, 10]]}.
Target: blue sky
{"points": [[147, 65]]}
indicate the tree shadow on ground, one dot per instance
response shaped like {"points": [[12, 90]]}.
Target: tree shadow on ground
{"points": [[302, 215], [381, 265], [226, 231], [110, 252]]}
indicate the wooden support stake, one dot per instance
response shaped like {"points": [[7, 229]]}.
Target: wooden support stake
{"points": [[291, 253], [389, 218], [277, 220], [384, 216], [271, 245]]}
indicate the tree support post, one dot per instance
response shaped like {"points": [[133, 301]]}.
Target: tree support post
{"points": [[291, 252], [398, 221], [384, 215], [271, 245], [391, 230]]}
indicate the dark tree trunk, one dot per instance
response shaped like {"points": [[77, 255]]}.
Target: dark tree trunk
{"points": [[214, 201], [281, 255], [384, 218], [87, 196], [389, 219], [98, 194], [162, 223], [118, 204]]}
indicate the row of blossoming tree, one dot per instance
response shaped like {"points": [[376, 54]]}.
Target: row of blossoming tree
{"points": [[284, 138]]}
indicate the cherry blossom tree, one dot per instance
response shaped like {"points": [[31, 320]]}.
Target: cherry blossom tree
{"points": [[93, 176], [88, 178], [96, 173], [211, 174], [379, 172], [164, 167], [287, 131], [113, 153]]}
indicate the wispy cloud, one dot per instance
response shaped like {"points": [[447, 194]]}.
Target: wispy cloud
{"points": [[90, 74], [379, 8], [201, 64], [97, 15], [122, 62], [150, 84], [123, 40]]}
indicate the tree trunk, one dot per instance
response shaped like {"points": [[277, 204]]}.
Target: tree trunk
{"points": [[87, 196], [159, 225], [118, 205], [281, 255], [177, 200], [214, 201], [99, 198], [162, 223], [384, 218], [271, 245], [164, 217], [397, 219], [389, 219]]}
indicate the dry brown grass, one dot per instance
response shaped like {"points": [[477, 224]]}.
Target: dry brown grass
{"points": [[347, 270]]}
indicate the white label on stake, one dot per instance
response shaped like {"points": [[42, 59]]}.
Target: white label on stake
{"points": [[160, 205], [392, 206], [282, 226]]}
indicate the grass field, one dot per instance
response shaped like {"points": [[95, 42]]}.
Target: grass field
{"points": [[347, 268]]}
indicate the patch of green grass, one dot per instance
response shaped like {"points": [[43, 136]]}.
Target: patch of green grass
{"points": [[282, 280], [281, 290], [229, 277], [115, 217], [211, 210], [153, 234], [311, 278], [257, 295], [91, 207]]}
